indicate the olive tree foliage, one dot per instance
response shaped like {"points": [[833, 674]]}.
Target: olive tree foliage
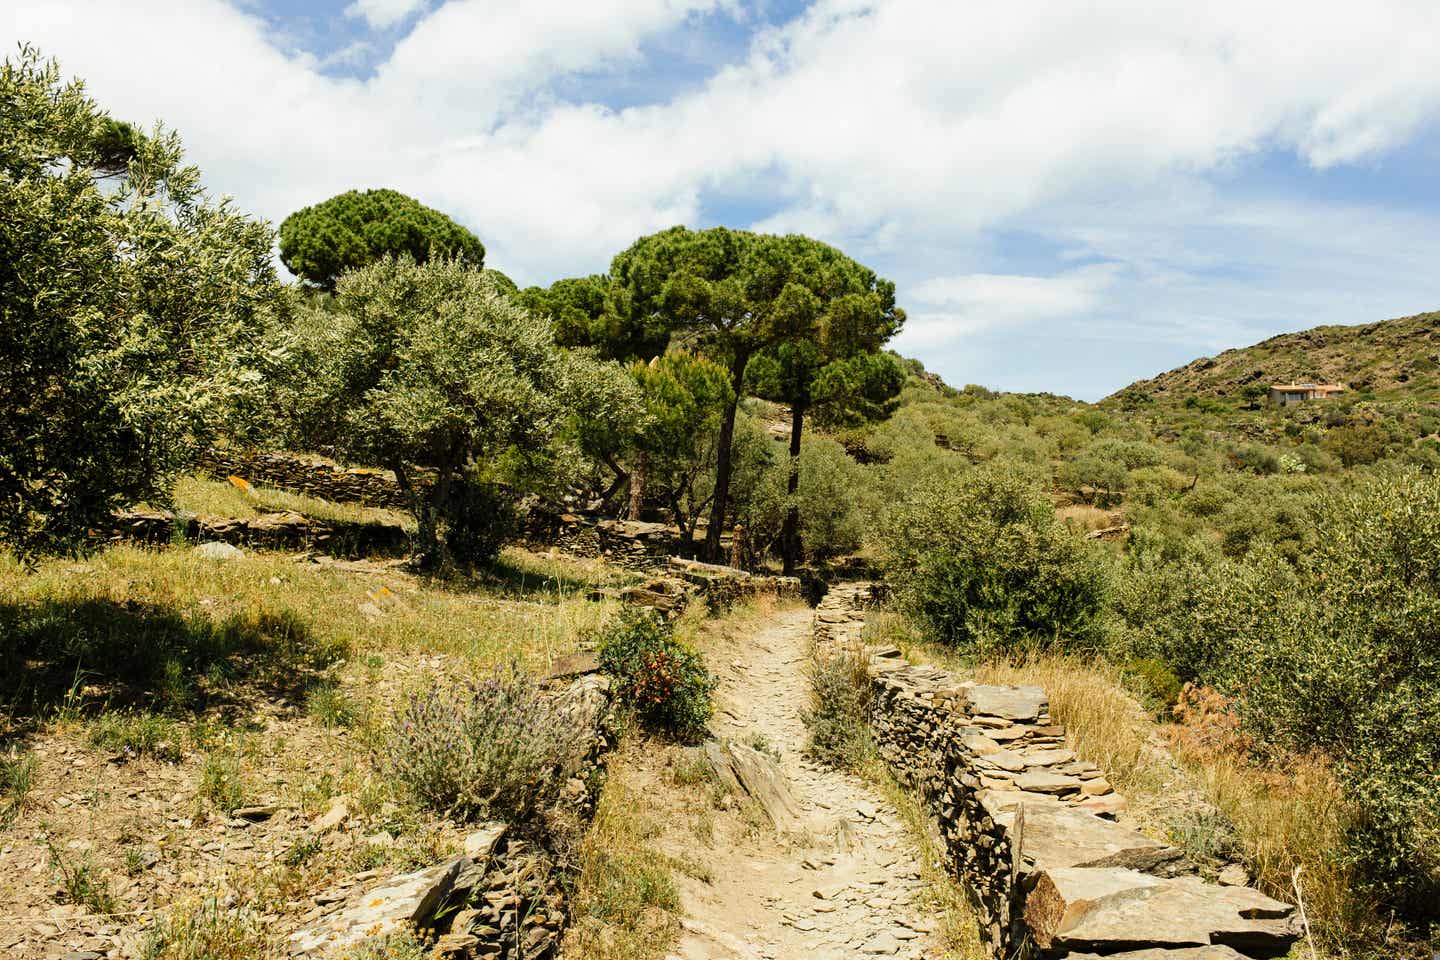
{"points": [[735, 294], [431, 371], [1336, 650], [979, 556], [357, 228], [135, 315], [684, 398]]}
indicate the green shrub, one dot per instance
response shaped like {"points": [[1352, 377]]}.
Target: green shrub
{"points": [[480, 518], [838, 717], [1335, 651], [1153, 680], [984, 562], [498, 748], [1108, 478], [660, 679]]}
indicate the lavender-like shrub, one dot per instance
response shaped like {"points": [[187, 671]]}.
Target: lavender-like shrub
{"points": [[493, 749]]}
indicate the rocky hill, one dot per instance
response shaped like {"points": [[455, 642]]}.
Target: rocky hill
{"points": [[1371, 359]]}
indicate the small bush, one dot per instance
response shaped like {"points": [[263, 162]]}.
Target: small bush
{"points": [[983, 562], [660, 679], [494, 749], [479, 519], [1154, 681], [839, 713]]}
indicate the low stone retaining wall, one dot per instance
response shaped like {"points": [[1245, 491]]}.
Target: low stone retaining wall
{"points": [[504, 899], [1034, 833], [288, 471], [279, 531]]}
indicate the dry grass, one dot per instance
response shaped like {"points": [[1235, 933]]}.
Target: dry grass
{"points": [[625, 905], [1105, 724], [1083, 518], [222, 499]]}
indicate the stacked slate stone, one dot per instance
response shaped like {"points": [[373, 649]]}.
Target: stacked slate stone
{"points": [[1032, 831], [282, 531], [286, 471], [724, 586]]}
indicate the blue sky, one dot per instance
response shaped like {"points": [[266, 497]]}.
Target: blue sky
{"points": [[1069, 195]]}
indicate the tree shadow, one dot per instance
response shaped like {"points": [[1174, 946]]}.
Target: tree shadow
{"points": [[58, 655]]}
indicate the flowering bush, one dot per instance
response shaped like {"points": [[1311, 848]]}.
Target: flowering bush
{"points": [[497, 748], [660, 679]]}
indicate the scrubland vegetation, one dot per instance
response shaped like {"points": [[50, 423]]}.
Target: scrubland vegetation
{"points": [[1263, 583]]}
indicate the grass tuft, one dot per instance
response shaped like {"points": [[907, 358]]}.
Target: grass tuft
{"points": [[17, 777]]}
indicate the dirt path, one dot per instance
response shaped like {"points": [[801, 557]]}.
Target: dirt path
{"points": [[846, 883]]}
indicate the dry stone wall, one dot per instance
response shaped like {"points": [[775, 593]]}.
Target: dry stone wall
{"points": [[1035, 834], [278, 531], [298, 474]]}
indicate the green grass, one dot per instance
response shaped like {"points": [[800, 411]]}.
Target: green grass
{"points": [[84, 884], [330, 705], [138, 734]]}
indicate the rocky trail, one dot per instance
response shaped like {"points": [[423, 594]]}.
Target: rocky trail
{"points": [[838, 877]]}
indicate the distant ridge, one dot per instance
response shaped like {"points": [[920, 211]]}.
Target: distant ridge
{"points": [[1391, 356]]}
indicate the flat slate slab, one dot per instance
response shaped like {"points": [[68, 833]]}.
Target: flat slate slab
{"points": [[1011, 703], [1107, 910], [1056, 836]]}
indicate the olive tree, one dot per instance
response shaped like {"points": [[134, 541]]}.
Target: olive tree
{"points": [[135, 314], [430, 369], [358, 228], [735, 294]]}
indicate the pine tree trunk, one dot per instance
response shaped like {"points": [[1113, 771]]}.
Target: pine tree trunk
{"points": [[722, 464], [790, 533]]}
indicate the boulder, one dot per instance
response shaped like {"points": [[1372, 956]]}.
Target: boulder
{"points": [[1109, 909], [760, 777], [215, 550]]}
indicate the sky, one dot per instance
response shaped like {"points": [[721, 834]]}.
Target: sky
{"points": [[1069, 195]]}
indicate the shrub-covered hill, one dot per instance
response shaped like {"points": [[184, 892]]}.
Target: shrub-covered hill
{"points": [[1400, 356]]}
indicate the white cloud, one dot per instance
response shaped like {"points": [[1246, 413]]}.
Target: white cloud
{"points": [[911, 132], [383, 14], [966, 303]]}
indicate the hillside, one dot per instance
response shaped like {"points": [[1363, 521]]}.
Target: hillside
{"points": [[1373, 358]]}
